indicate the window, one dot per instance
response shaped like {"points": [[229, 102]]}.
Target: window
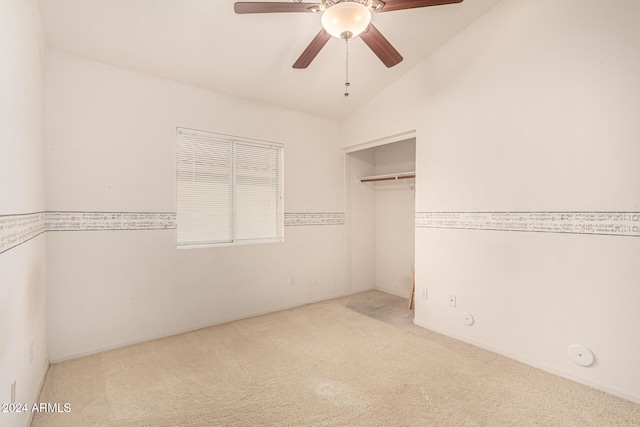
{"points": [[229, 190]]}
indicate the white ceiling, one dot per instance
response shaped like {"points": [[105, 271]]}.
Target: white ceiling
{"points": [[204, 43]]}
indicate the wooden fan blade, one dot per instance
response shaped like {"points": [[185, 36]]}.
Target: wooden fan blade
{"points": [[381, 46], [390, 5], [313, 49], [273, 7]]}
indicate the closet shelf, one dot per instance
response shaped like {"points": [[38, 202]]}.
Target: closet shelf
{"points": [[388, 177]]}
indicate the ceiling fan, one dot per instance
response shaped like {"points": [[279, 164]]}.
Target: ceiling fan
{"points": [[343, 19]]}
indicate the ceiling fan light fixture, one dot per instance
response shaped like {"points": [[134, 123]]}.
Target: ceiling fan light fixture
{"points": [[346, 17]]}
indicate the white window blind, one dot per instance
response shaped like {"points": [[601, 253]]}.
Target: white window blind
{"points": [[228, 190]]}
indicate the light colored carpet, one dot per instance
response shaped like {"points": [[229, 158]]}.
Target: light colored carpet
{"points": [[353, 361]]}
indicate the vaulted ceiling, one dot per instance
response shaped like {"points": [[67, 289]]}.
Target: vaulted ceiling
{"points": [[205, 44]]}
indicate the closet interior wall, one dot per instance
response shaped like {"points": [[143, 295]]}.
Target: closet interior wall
{"points": [[382, 219]]}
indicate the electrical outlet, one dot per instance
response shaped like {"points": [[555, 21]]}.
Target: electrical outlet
{"points": [[425, 294], [13, 391], [452, 300], [292, 280]]}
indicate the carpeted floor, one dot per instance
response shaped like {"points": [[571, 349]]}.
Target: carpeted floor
{"points": [[353, 361]]}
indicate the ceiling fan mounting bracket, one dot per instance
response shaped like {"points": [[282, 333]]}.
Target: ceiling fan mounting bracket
{"points": [[374, 5], [329, 3]]}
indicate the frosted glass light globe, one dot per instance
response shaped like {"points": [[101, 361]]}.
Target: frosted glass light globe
{"points": [[346, 19]]}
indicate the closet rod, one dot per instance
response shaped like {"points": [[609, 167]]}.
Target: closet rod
{"points": [[392, 177]]}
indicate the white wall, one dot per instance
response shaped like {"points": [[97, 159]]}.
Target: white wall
{"points": [[111, 148], [532, 108], [23, 342]]}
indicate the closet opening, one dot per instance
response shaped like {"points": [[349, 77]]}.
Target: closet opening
{"points": [[381, 217]]}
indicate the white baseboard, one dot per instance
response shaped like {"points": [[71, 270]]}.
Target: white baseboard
{"points": [[542, 366], [394, 292], [36, 398], [179, 331]]}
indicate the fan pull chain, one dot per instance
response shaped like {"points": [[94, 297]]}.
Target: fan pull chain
{"points": [[347, 84]]}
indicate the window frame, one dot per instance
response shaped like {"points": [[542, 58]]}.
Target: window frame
{"points": [[233, 141]]}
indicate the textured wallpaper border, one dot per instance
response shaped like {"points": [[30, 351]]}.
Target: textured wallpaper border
{"points": [[578, 222], [96, 221], [20, 228], [307, 219]]}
